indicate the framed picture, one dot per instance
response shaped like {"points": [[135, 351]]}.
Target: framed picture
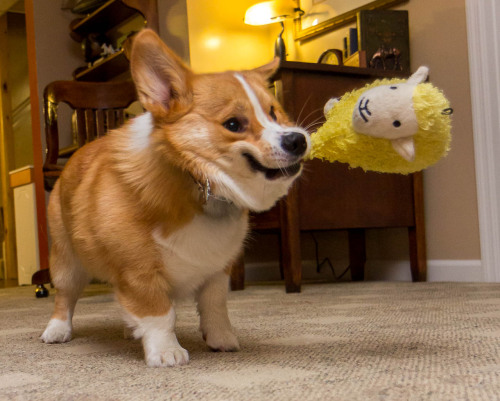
{"points": [[385, 37], [321, 16]]}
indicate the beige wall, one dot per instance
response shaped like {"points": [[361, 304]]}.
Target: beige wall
{"points": [[219, 40], [172, 16], [451, 203]]}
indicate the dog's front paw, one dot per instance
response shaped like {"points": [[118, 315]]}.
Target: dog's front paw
{"points": [[175, 356], [57, 331], [223, 341]]}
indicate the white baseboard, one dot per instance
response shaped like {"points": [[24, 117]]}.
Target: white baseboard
{"points": [[377, 270], [437, 270], [455, 270]]}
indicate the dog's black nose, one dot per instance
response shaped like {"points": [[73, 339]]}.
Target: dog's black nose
{"points": [[294, 143]]}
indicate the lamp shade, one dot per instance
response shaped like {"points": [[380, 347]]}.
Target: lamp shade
{"points": [[269, 12]]}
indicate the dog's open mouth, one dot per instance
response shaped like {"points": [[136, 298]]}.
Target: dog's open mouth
{"points": [[272, 173]]}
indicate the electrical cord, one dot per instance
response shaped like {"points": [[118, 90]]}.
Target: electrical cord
{"points": [[319, 265]]}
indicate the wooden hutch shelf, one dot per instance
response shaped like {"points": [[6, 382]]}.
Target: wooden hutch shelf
{"points": [[105, 70], [108, 15], [104, 20]]}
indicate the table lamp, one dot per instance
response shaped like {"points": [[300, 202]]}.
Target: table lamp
{"points": [[269, 12]]}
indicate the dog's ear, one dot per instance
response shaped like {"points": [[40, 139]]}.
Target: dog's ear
{"points": [[269, 70], [161, 78]]}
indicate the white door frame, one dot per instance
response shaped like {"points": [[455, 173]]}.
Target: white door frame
{"points": [[483, 19]]}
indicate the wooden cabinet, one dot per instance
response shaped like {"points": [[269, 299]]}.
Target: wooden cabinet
{"points": [[105, 21], [332, 196]]}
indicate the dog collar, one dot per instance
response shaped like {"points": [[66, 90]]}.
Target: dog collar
{"points": [[205, 191]]}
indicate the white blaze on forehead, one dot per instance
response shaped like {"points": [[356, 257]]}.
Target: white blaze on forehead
{"points": [[259, 113], [272, 132]]}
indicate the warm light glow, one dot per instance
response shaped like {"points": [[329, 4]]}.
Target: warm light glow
{"points": [[269, 12], [212, 42], [259, 14]]}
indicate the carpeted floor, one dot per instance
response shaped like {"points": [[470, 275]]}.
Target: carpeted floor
{"points": [[347, 341]]}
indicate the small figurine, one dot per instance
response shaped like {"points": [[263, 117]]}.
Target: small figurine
{"points": [[391, 126], [107, 50]]}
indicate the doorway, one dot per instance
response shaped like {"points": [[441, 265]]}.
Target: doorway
{"points": [[484, 55], [16, 145]]}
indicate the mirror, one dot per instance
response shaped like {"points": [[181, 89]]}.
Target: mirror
{"points": [[321, 16]]}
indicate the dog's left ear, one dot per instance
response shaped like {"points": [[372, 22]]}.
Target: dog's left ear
{"points": [[269, 70], [161, 78]]}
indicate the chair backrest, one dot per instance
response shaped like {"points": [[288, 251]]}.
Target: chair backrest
{"points": [[98, 107]]}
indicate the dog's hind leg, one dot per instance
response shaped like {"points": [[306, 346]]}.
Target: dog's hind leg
{"points": [[214, 320], [68, 276], [70, 280]]}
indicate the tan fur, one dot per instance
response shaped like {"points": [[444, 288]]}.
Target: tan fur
{"points": [[127, 208]]}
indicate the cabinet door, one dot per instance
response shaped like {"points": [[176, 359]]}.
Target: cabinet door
{"points": [[334, 196]]}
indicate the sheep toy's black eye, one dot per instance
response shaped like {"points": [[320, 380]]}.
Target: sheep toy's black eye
{"points": [[273, 114], [393, 88], [396, 123], [233, 125]]}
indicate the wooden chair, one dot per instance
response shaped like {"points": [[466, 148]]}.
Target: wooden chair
{"points": [[98, 107]]}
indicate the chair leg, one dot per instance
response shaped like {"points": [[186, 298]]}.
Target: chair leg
{"points": [[40, 278], [357, 253]]}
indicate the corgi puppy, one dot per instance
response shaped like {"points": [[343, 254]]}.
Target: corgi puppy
{"points": [[159, 208]]}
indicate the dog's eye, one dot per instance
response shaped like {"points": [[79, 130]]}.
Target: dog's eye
{"points": [[273, 114], [233, 125]]}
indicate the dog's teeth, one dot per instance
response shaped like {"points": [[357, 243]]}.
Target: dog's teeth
{"points": [[272, 173]]}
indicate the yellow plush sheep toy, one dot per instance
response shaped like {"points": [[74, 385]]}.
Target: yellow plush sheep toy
{"points": [[390, 126]]}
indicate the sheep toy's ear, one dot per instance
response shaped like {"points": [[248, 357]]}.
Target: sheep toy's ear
{"points": [[330, 105], [419, 76]]}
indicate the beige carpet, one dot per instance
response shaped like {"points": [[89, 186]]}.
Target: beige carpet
{"points": [[348, 341]]}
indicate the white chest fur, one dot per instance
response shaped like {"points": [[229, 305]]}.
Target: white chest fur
{"points": [[201, 248]]}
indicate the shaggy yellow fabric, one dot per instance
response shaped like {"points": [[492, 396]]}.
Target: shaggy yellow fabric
{"points": [[337, 141]]}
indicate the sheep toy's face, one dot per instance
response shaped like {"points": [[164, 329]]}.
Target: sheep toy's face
{"points": [[376, 115], [392, 126], [386, 111]]}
